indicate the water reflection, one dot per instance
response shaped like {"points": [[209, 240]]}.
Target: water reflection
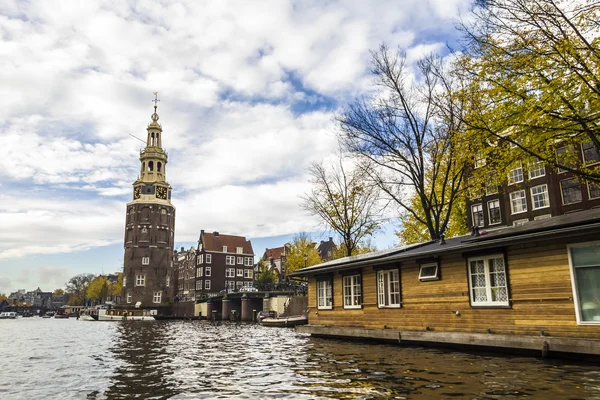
{"points": [[70, 359]]}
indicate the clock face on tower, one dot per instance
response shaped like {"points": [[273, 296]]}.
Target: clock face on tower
{"points": [[136, 192], [161, 192]]}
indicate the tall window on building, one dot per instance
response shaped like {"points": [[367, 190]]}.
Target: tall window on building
{"points": [[240, 260], [198, 285], [140, 280], [207, 284], [570, 190], [199, 272], [129, 297], [388, 288], [351, 288], [209, 258], [199, 260], [585, 271], [230, 273], [230, 260], [515, 175], [240, 272], [494, 212], [248, 261], [536, 169], [590, 153], [566, 156], [145, 260], [477, 214], [248, 273], [539, 197], [124, 281], [518, 202], [491, 183], [324, 294], [487, 281], [207, 271], [157, 297]]}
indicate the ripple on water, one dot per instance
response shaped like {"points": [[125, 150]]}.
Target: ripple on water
{"points": [[71, 359]]}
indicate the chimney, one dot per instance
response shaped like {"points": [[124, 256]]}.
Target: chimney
{"points": [[475, 231], [216, 233], [442, 240], [331, 238]]}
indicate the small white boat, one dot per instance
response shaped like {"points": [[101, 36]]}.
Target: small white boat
{"points": [[8, 315], [126, 315], [285, 322]]}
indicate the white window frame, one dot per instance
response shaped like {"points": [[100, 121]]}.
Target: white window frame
{"points": [[239, 250], [536, 169], [207, 271], [477, 208], [224, 249], [589, 187], [207, 284], [209, 258], [145, 260], [240, 260], [199, 272], [239, 272], [490, 214], [229, 260], [239, 284], [574, 282], [352, 291], [140, 280], [519, 222], [431, 277], [544, 194], [511, 175], [248, 273], [560, 184], [200, 259], [198, 285], [129, 298], [587, 162], [385, 292], [157, 297], [230, 273], [248, 261], [488, 287], [480, 160], [524, 197], [124, 281], [324, 294]]}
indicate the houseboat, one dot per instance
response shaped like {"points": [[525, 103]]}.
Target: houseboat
{"points": [[125, 315], [535, 286], [8, 315]]}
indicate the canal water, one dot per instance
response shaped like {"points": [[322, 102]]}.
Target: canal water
{"points": [[70, 359]]}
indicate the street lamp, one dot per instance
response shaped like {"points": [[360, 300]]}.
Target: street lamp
{"points": [[305, 259]]}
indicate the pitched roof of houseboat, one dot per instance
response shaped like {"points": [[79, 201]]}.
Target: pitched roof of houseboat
{"points": [[555, 227]]}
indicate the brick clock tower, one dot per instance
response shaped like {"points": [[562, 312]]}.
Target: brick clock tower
{"points": [[149, 228]]}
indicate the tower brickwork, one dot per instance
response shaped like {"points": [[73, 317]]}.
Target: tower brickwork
{"points": [[150, 228]]}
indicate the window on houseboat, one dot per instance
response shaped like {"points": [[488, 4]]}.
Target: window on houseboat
{"points": [[487, 277], [388, 288], [352, 291], [428, 272], [324, 295], [585, 261]]}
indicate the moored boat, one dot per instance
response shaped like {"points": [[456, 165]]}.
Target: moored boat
{"points": [[125, 315], [285, 322], [8, 315]]}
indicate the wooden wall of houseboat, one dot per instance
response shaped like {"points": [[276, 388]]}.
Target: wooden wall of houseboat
{"points": [[540, 292]]}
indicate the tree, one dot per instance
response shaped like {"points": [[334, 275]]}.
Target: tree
{"points": [[365, 246], [413, 231], [410, 136], [534, 72], [301, 246], [98, 289], [117, 287], [77, 286], [3, 297], [265, 276], [58, 292], [345, 201]]}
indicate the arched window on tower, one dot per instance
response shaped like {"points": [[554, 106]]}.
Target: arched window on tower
{"points": [[158, 165], [152, 139], [143, 167], [150, 166]]}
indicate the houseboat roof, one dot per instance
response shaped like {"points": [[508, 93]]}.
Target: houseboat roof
{"points": [[578, 223]]}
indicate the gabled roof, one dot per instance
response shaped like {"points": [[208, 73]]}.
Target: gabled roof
{"points": [[274, 253], [215, 242], [580, 223]]}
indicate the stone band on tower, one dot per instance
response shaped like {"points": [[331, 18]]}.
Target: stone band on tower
{"points": [[149, 227]]}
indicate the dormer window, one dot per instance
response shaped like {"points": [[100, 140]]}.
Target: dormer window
{"points": [[239, 250], [224, 249]]}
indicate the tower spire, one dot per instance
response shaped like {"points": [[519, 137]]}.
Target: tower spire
{"points": [[155, 101]]}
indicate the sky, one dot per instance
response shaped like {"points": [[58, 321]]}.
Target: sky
{"points": [[247, 94]]}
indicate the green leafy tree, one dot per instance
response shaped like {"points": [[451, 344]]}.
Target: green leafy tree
{"points": [[3, 297], [534, 73], [302, 253], [98, 289], [117, 287], [410, 135], [346, 201], [365, 246], [77, 286], [265, 275], [58, 292]]}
